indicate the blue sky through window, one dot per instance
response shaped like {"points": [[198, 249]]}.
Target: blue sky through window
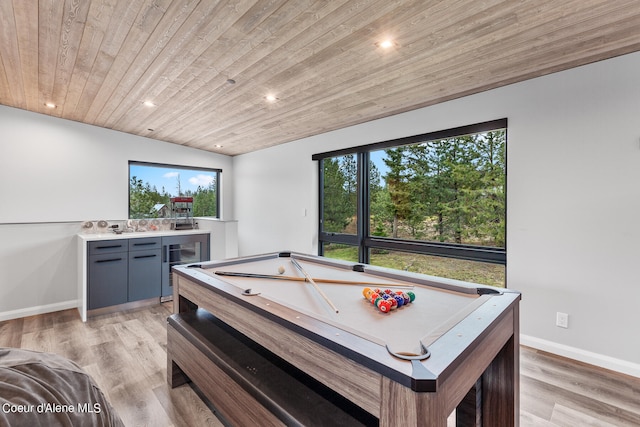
{"points": [[166, 177]]}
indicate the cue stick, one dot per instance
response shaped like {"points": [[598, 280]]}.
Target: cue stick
{"points": [[304, 279], [315, 285]]}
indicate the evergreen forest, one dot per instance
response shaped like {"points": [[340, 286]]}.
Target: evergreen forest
{"points": [[143, 199], [448, 190]]}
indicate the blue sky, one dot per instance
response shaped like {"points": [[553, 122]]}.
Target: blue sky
{"points": [[167, 177]]}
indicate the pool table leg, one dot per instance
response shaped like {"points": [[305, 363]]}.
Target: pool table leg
{"points": [[469, 411], [400, 406], [501, 383]]}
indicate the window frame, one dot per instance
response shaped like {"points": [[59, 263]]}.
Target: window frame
{"points": [[217, 171], [365, 242]]}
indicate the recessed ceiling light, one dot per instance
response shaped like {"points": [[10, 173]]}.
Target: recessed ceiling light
{"points": [[271, 98], [50, 105], [149, 104], [217, 146], [386, 44]]}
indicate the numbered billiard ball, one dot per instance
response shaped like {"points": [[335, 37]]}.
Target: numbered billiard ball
{"points": [[384, 306], [399, 299], [412, 296]]}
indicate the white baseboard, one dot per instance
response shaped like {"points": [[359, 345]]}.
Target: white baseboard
{"points": [[606, 362], [40, 309]]}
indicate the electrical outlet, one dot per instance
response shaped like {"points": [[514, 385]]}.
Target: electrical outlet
{"points": [[562, 320]]}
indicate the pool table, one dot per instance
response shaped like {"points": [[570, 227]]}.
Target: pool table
{"points": [[455, 347]]}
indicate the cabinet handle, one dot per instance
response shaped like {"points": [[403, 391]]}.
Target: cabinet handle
{"points": [[109, 260], [165, 253], [144, 256], [144, 244], [108, 247]]}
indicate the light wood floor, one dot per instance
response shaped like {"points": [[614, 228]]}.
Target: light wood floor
{"points": [[125, 353]]}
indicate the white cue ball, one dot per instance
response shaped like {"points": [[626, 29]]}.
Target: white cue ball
{"points": [[281, 269]]}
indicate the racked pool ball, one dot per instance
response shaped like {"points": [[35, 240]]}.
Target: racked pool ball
{"points": [[399, 299], [406, 298], [384, 306], [412, 296]]}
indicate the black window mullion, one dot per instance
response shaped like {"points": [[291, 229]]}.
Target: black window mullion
{"points": [[363, 206]]}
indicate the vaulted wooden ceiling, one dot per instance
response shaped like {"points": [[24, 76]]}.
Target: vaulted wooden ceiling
{"points": [[98, 61]]}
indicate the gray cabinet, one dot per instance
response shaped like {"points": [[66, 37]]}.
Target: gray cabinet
{"points": [[126, 270], [107, 273], [145, 278]]}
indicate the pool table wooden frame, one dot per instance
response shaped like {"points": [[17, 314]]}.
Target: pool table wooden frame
{"points": [[473, 368]]}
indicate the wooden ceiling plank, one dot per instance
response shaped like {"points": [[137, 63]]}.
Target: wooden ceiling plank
{"points": [[10, 53], [120, 22], [5, 93], [164, 21], [50, 15], [73, 23], [27, 31], [150, 13], [95, 30]]}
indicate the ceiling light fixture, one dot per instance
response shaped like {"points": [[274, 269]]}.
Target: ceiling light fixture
{"points": [[386, 44], [271, 98], [149, 104], [50, 105]]}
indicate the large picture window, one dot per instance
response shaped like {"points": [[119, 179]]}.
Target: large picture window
{"points": [[151, 186], [432, 203]]}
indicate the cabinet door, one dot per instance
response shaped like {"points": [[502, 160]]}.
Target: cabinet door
{"points": [[145, 275], [184, 249], [107, 279]]}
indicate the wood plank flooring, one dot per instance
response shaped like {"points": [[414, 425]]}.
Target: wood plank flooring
{"points": [[125, 353]]}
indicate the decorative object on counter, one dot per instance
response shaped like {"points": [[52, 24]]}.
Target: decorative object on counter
{"points": [[142, 225]]}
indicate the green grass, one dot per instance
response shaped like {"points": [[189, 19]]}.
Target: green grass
{"points": [[468, 271]]}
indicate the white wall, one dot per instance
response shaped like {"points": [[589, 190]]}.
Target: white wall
{"points": [[55, 173], [572, 193]]}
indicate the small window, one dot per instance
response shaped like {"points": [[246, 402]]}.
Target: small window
{"points": [[151, 186]]}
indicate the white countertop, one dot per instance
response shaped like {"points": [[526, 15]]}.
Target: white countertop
{"points": [[138, 234]]}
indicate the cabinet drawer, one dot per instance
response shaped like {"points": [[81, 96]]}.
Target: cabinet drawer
{"points": [[145, 243], [108, 246], [107, 279]]}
